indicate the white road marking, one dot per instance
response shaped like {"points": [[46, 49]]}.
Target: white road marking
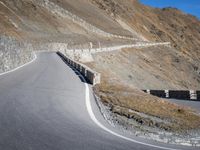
{"points": [[92, 116], [35, 57], [94, 119], [91, 113]]}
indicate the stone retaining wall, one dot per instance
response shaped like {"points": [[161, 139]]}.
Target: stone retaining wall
{"points": [[13, 53]]}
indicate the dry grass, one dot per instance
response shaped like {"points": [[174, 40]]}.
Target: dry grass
{"points": [[118, 90], [123, 99]]}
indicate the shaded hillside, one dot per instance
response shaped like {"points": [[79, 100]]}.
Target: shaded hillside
{"points": [[37, 19]]}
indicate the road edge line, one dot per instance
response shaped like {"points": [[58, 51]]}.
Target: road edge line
{"points": [[92, 116], [94, 119]]}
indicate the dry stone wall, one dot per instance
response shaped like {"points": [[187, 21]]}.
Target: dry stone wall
{"points": [[13, 53], [85, 54]]}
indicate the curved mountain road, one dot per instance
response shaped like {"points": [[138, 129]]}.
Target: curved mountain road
{"points": [[43, 107]]}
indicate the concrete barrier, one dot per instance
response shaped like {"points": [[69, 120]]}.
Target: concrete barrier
{"points": [[176, 94], [91, 76]]}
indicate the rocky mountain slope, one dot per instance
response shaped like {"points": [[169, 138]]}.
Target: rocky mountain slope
{"points": [[37, 22], [40, 19], [167, 24]]}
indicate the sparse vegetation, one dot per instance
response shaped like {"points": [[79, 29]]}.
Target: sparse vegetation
{"points": [[145, 109]]}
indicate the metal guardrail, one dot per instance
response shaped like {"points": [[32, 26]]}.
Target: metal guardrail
{"points": [[91, 76], [176, 94]]}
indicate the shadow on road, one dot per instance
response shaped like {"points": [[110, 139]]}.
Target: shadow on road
{"points": [[75, 71]]}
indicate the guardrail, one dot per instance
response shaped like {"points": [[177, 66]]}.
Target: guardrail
{"points": [[91, 76], [176, 94]]}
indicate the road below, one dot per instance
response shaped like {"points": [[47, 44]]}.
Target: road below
{"points": [[187, 103], [43, 107]]}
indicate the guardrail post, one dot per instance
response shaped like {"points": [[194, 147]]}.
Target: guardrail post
{"points": [[76, 66], [167, 93], [193, 95], [148, 91]]}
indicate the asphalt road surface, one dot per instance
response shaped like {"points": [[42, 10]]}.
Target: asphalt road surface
{"points": [[187, 103], [43, 107]]}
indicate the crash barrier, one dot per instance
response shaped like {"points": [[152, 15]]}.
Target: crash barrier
{"points": [[91, 76], [176, 94]]}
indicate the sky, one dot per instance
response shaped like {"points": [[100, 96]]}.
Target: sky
{"points": [[187, 6]]}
